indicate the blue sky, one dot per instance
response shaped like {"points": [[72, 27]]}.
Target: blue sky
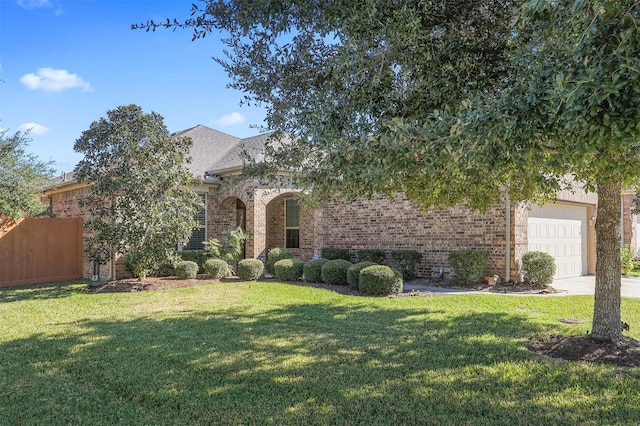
{"points": [[65, 63]]}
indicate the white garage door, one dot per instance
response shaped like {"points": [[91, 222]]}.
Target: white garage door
{"points": [[561, 231]]}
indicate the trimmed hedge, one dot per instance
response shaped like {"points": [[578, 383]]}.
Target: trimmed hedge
{"points": [[250, 269], [217, 268], [276, 254], [333, 253], [353, 273], [407, 261], [187, 269], [468, 265], [380, 280], [313, 270], [288, 269], [335, 271], [371, 255], [538, 268], [198, 256]]}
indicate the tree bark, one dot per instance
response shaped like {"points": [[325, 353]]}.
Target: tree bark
{"points": [[606, 309]]}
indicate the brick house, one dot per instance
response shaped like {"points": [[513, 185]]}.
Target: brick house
{"points": [[273, 218]]}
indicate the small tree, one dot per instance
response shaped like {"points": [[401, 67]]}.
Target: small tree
{"points": [[23, 178], [139, 200]]}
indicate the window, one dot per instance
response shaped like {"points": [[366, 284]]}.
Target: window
{"points": [[292, 224], [199, 235]]}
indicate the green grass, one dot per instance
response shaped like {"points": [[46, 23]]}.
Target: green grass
{"points": [[268, 353]]}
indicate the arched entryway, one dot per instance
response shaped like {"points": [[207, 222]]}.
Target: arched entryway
{"points": [[231, 213], [289, 225]]}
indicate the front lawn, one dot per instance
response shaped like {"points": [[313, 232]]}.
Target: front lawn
{"points": [[269, 353]]}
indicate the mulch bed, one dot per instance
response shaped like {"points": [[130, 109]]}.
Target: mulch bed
{"points": [[625, 353]]}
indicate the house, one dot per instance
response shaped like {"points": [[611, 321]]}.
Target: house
{"points": [[273, 218]]}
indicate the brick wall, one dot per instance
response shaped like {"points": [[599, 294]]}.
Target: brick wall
{"points": [[276, 229], [393, 225]]}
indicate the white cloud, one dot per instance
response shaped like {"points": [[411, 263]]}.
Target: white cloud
{"points": [[34, 4], [33, 128], [230, 119], [53, 80]]}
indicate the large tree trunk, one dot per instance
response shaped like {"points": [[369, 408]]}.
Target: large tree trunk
{"points": [[606, 309]]}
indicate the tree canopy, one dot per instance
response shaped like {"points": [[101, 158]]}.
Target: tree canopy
{"points": [[140, 201], [24, 178], [447, 101]]}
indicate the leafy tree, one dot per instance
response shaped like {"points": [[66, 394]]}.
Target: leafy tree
{"points": [[23, 178], [140, 201], [447, 101]]}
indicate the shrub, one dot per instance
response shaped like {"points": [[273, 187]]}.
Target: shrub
{"points": [[276, 254], [353, 273], [250, 269], [468, 265], [335, 271], [312, 270], [371, 255], [217, 268], [407, 261], [288, 269], [538, 268], [626, 259], [187, 269], [380, 280], [198, 256], [333, 253], [166, 269]]}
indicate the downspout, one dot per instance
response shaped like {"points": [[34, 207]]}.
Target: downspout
{"points": [[507, 207]]}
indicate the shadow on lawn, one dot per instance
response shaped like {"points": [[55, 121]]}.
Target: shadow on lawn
{"points": [[304, 364], [43, 291]]}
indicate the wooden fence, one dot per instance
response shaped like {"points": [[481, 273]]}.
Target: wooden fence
{"points": [[41, 250]]}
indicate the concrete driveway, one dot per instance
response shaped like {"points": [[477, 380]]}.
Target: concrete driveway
{"points": [[586, 285]]}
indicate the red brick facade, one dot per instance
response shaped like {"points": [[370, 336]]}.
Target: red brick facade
{"points": [[376, 223]]}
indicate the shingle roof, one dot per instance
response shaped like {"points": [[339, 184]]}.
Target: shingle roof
{"points": [[209, 146]]}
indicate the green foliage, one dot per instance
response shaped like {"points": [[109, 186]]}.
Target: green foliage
{"points": [[312, 270], [538, 268], [380, 280], [407, 261], [276, 254], [353, 273], [186, 269], [333, 253], [23, 178], [230, 251], [468, 265], [371, 255], [626, 259], [139, 200], [250, 269], [198, 256], [217, 268], [288, 269], [335, 272]]}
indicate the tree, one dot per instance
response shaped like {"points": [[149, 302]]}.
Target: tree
{"points": [[24, 178], [140, 201], [448, 101]]}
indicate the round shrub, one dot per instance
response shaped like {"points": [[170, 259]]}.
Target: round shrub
{"points": [[312, 270], [468, 265], [288, 269], [335, 271], [333, 253], [250, 269], [276, 254], [538, 268], [371, 255], [353, 273], [217, 268], [380, 280], [186, 269]]}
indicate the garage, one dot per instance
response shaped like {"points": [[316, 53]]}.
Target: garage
{"points": [[561, 231]]}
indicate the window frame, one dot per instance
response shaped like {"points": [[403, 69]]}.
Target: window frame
{"points": [[289, 228], [182, 247]]}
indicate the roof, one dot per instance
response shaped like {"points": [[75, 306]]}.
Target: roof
{"points": [[212, 151]]}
